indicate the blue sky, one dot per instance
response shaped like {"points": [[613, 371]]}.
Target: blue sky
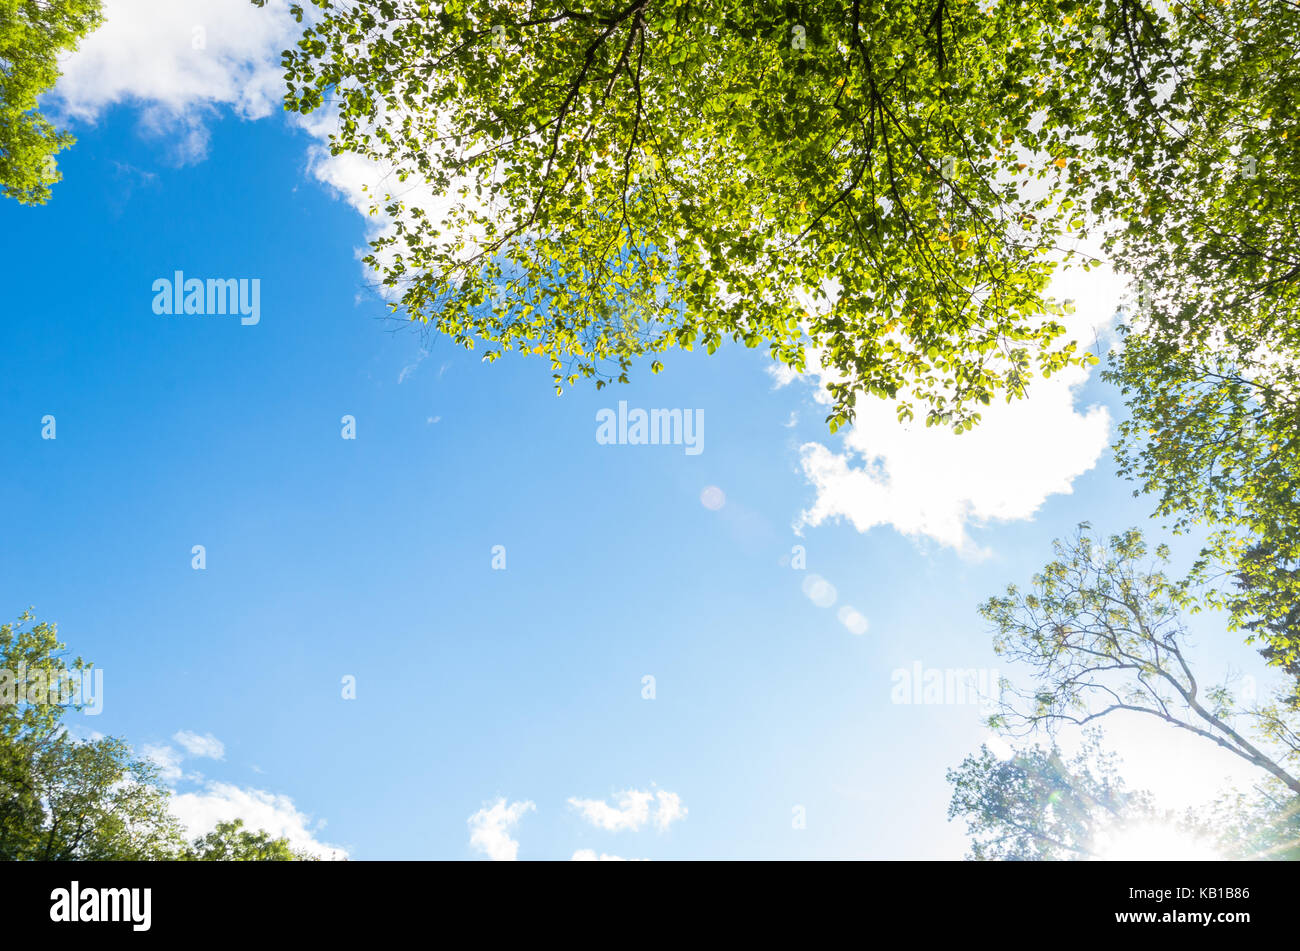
{"points": [[372, 557]]}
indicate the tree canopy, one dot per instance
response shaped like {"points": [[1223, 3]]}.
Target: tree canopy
{"points": [[1102, 632], [231, 842], [32, 35], [63, 798], [893, 182], [611, 181], [1041, 804], [1200, 176], [1216, 441]]}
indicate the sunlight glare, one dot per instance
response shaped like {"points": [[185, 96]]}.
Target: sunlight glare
{"points": [[1154, 842]]}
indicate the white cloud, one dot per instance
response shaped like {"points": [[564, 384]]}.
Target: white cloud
{"points": [[166, 758], [589, 855], [632, 811], [199, 811], [490, 829], [275, 814], [206, 745], [934, 484], [670, 810], [179, 60], [929, 483]]}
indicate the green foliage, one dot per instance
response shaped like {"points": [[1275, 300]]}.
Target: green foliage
{"points": [[100, 803], [1195, 154], [1038, 805], [1206, 189], [1261, 824], [1275, 620], [32, 35], [231, 842], [893, 183], [64, 799], [1215, 439], [1101, 632], [880, 180]]}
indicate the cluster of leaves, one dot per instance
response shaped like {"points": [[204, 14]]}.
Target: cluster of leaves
{"points": [[1191, 129], [595, 185], [64, 799], [1101, 632], [1206, 193], [1262, 824], [32, 35], [1216, 441], [1275, 621], [231, 842], [1040, 805]]}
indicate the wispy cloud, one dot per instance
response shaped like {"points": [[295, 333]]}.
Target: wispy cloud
{"points": [[166, 758], [206, 745], [411, 367]]}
